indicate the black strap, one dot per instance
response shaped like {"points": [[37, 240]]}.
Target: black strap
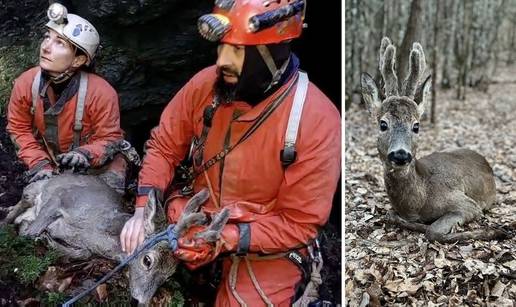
{"points": [[144, 190], [244, 240], [299, 260]]}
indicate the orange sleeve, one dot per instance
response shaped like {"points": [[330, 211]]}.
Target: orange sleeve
{"points": [[306, 193], [20, 125], [168, 143], [104, 112]]}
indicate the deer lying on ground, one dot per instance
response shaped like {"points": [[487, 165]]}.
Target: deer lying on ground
{"points": [[81, 216], [443, 189]]}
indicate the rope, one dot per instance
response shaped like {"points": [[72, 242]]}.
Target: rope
{"points": [[168, 234], [311, 291], [233, 272], [264, 297]]}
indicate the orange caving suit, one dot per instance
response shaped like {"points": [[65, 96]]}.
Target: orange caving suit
{"points": [[284, 207], [101, 121]]}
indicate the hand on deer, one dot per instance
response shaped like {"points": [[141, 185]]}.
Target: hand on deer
{"points": [[133, 234], [45, 173], [202, 244], [73, 159]]}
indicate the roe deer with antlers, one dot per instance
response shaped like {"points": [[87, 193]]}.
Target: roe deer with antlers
{"points": [[443, 189], [81, 217]]}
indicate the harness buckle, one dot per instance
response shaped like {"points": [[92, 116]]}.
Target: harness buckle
{"points": [[314, 251], [288, 155], [124, 145]]}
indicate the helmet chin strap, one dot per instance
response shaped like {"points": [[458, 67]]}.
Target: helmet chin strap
{"points": [[62, 77], [269, 61], [67, 74]]}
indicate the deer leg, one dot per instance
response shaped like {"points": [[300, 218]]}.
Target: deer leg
{"points": [[67, 251], [444, 225], [212, 233], [481, 235], [14, 211], [48, 214], [465, 210], [394, 219], [441, 230]]}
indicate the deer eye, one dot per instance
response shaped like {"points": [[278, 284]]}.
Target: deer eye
{"points": [[147, 261], [383, 125], [415, 128]]}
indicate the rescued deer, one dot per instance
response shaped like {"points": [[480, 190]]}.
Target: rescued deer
{"points": [[443, 189], [81, 216]]}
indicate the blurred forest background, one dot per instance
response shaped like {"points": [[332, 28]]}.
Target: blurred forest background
{"points": [[464, 41]]}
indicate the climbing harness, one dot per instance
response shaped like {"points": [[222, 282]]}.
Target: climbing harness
{"points": [[79, 109], [129, 152], [192, 165], [311, 293]]}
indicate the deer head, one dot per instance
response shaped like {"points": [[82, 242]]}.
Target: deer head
{"points": [[397, 111], [153, 267]]}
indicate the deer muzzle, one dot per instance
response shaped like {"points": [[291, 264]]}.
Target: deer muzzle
{"points": [[400, 157]]}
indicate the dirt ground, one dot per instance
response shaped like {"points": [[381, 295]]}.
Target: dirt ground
{"points": [[389, 266]]}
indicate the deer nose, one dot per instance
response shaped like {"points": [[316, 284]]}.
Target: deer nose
{"points": [[400, 157]]}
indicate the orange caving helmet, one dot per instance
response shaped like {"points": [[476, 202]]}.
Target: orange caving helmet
{"points": [[253, 22]]}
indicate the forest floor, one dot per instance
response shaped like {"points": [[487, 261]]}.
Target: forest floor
{"points": [[389, 266]]}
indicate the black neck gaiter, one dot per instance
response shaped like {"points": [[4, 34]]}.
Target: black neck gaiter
{"points": [[63, 91], [256, 77]]}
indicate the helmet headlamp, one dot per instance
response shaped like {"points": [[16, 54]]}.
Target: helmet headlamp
{"points": [[57, 13], [213, 26]]}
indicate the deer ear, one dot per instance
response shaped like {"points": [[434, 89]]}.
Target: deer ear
{"points": [[370, 94], [154, 218], [423, 94]]}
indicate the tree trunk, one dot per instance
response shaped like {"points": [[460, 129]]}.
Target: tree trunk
{"points": [[464, 50], [434, 60], [412, 34], [450, 11], [511, 48]]}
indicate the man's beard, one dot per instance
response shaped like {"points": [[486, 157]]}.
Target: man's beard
{"points": [[225, 92]]}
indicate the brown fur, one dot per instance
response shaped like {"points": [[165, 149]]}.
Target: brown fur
{"points": [[443, 189], [81, 217]]}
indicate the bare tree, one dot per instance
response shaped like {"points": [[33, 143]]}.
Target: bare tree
{"points": [[434, 60], [412, 34]]}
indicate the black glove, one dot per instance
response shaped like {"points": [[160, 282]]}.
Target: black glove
{"points": [[73, 159], [42, 174]]}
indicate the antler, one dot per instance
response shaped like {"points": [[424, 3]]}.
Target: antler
{"points": [[385, 42], [417, 65], [212, 233], [190, 216], [387, 61]]}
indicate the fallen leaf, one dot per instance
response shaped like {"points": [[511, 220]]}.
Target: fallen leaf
{"points": [[365, 300], [498, 289], [65, 283], [29, 302], [101, 292], [511, 265], [401, 285], [375, 292]]}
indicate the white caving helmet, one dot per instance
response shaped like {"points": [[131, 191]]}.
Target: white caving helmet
{"points": [[76, 29]]}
